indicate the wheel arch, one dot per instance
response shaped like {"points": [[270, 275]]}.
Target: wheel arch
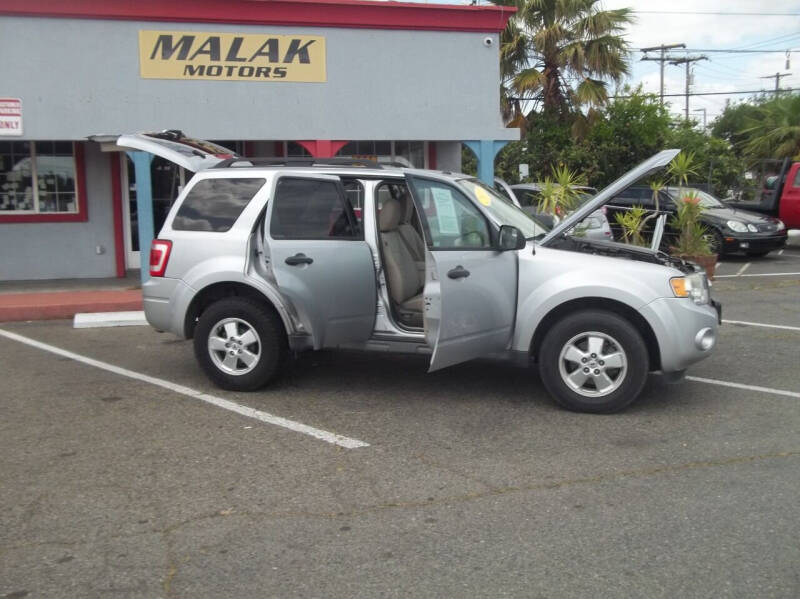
{"points": [[221, 290], [599, 303]]}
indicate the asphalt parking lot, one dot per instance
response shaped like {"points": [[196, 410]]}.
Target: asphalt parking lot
{"points": [[467, 482]]}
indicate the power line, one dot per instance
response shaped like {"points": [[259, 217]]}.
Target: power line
{"points": [[688, 62], [661, 59], [719, 13], [733, 93]]}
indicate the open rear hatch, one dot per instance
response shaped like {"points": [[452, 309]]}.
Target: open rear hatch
{"points": [[192, 154]]}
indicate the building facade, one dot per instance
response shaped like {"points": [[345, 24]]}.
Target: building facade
{"points": [[405, 82]]}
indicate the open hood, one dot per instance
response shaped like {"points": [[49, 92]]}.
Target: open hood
{"points": [[651, 165], [191, 154]]}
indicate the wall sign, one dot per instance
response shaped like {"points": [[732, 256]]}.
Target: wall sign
{"points": [[231, 56], [10, 116]]}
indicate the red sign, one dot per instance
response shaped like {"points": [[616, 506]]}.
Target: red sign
{"points": [[10, 116]]}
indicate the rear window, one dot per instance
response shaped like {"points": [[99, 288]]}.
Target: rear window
{"points": [[215, 204]]}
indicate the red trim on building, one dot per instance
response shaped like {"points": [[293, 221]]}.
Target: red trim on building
{"points": [[81, 216], [323, 148], [279, 149], [356, 14], [116, 201], [432, 155]]}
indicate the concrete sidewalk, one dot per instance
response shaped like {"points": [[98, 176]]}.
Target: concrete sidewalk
{"points": [[54, 299]]}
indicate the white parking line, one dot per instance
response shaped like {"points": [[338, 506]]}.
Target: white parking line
{"points": [[698, 379], [760, 274], [761, 324], [780, 252], [225, 404], [742, 269]]}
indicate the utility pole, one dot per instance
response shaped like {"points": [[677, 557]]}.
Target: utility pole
{"points": [[778, 77], [703, 110], [687, 61], [661, 59]]}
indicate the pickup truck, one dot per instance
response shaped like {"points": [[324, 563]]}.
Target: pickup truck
{"points": [[780, 196]]}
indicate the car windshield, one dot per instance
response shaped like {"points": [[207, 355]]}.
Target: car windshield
{"points": [[706, 199], [502, 211]]}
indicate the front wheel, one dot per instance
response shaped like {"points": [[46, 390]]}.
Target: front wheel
{"points": [[240, 344], [593, 361]]}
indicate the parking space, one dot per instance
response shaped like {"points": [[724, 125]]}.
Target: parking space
{"points": [[468, 481]]}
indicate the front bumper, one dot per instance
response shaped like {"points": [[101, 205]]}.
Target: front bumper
{"points": [[686, 332], [752, 242]]}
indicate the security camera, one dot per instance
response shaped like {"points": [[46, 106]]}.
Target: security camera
{"points": [[488, 41]]}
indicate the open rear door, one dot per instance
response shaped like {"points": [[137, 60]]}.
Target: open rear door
{"points": [[192, 154], [470, 294]]}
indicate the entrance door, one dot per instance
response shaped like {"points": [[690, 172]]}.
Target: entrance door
{"points": [[470, 294], [320, 260], [167, 179]]}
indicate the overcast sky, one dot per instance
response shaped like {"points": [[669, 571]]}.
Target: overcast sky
{"points": [[722, 72]]}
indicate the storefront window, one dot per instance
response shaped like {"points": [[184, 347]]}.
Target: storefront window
{"points": [[411, 151], [37, 177]]}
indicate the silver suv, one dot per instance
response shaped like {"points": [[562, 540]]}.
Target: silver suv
{"points": [[258, 259]]}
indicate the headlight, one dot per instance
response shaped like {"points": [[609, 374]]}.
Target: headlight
{"points": [[779, 224], [752, 228], [694, 286], [735, 225]]}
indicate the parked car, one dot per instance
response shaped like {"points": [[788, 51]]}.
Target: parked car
{"points": [[594, 226], [258, 259], [780, 197], [730, 230]]}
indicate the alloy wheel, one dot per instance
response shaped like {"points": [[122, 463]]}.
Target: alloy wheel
{"points": [[234, 346], [593, 364]]}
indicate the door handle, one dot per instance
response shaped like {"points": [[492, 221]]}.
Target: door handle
{"points": [[459, 272], [298, 259]]}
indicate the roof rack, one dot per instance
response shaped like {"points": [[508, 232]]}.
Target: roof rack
{"points": [[244, 162]]}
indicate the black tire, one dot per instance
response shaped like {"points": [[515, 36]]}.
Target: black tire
{"points": [[617, 331], [759, 254], [272, 344], [715, 242]]}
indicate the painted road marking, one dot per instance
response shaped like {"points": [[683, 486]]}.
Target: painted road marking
{"points": [[698, 379], [742, 269], [760, 274], [780, 252], [761, 324], [225, 404]]}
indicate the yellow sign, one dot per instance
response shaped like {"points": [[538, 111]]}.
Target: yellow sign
{"points": [[231, 56]]}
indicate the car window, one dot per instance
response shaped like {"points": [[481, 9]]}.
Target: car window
{"points": [[311, 209], [215, 204], [453, 221], [527, 197], [354, 191]]}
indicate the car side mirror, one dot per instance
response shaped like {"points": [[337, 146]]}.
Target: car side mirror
{"points": [[510, 238]]}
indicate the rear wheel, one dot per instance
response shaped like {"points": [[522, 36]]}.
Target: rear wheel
{"points": [[593, 361], [240, 344]]}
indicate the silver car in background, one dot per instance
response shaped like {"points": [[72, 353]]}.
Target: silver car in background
{"points": [[595, 226], [261, 258]]}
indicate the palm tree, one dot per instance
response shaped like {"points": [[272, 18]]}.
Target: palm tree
{"points": [[775, 130], [560, 52]]}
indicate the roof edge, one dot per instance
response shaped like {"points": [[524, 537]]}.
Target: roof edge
{"points": [[346, 14]]}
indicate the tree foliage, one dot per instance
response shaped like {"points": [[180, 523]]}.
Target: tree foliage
{"points": [[561, 53]]}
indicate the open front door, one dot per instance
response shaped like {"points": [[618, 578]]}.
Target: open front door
{"points": [[470, 293], [320, 260]]}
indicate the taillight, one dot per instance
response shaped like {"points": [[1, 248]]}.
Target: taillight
{"points": [[159, 256]]}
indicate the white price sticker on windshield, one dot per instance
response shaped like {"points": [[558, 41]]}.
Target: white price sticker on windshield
{"points": [[445, 211]]}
